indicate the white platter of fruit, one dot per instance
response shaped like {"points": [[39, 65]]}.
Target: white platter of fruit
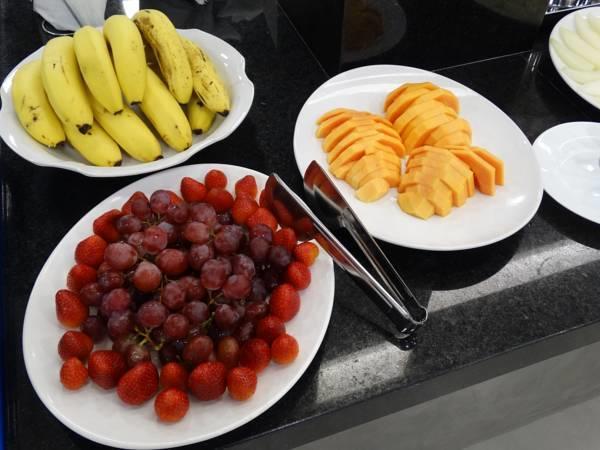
{"points": [[134, 97], [179, 311]]}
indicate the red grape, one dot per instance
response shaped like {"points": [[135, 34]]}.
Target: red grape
{"points": [[244, 332], [136, 240], [213, 274], [176, 326], [151, 314], [141, 209], [227, 240], [226, 318], [279, 257], [225, 218], [135, 354], [259, 291], [228, 351], [120, 255], [263, 231], [172, 262], [259, 249], [147, 277], [203, 212], [173, 296], [128, 224], [271, 278], [94, 327], [122, 343], [91, 294], [193, 289], [110, 280], [237, 287], [197, 350], [196, 232], [155, 240], [160, 201], [116, 300], [172, 233], [196, 312], [199, 254], [243, 265], [120, 323], [255, 311], [168, 353], [177, 213]]}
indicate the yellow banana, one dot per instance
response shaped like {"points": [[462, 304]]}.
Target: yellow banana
{"points": [[63, 84], [32, 106], [129, 131], [95, 145], [208, 85], [128, 55], [162, 36], [165, 114], [97, 69], [199, 116]]}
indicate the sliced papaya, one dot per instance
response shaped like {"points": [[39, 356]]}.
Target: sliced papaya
{"points": [[425, 160], [414, 111], [390, 174], [372, 190], [460, 138], [440, 199], [441, 95], [421, 132], [415, 204], [406, 87], [402, 102], [351, 138], [341, 171], [423, 117], [485, 174], [451, 178], [333, 112], [493, 160], [420, 177], [359, 125], [458, 124], [335, 121]]}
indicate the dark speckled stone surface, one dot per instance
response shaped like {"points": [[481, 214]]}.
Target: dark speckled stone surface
{"points": [[492, 309]]}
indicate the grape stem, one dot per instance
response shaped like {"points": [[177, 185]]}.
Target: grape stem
{"points": [[145, 335]]}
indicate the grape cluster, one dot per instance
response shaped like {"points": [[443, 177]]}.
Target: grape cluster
{"points": [[181, 279]]}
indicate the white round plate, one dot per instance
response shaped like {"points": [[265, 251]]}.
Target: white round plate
{"points": [[483, 219], [569, 156], [568, 21], [229, 63], [99, 415]]}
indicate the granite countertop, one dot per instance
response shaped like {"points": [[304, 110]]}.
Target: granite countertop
{"points": [[492, 309]]}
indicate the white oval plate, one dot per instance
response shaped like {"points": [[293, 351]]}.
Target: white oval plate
{"points": [[99, 415], [568, 21], [569, 156], [229, 63], [483, 219]]}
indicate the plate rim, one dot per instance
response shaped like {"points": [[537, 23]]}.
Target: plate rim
{"points": [[555, 58], [553, 192], [327, 296], [246, 89], [404, 69]]}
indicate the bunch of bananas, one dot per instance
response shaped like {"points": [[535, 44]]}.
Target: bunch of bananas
{"points": [[82, 89]]}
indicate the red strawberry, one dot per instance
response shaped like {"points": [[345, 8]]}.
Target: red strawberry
{"points": [[256, 354], [175, 199], [138, 384], [241, 383], [242, 208], [106, 367], [264, 216], [220, 199], [306, 253], [262, 199], [126, 208], [215, 179], [284, 349], [79, 276], [104, 226], [174, 375], [286, 237], [171, 405], [283, 214], [73, 374], [75, 344], [268, 328], [298, 275], [90, 251], [70, 309], [284, 302], [192, 190], [246, 186], [207, 380]]}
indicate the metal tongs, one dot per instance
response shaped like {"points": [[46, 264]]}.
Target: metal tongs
{"points": [[392, 295]]}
